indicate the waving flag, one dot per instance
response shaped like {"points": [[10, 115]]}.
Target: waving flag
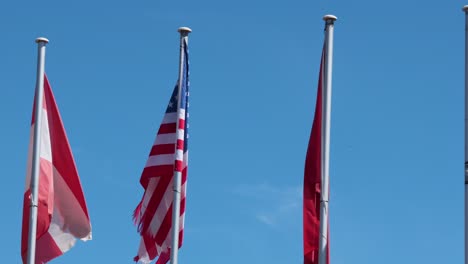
{"points": [[312, 183], [62, 212], [153, 215]]}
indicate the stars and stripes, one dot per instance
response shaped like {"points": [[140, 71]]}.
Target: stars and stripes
{"points": [[169, 154]]}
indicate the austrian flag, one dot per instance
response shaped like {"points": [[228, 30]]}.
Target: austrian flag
{"points": [[62, 213]]}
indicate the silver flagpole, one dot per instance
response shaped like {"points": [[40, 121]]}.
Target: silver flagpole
{"points": [[325, 145], [34, 187], [465, 9], [184, 31]]}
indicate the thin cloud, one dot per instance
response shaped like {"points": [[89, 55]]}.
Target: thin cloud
{"points": [[266, 219], [272, 205]]}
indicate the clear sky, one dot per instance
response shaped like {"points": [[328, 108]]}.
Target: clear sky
{"points": [[396, 139]]}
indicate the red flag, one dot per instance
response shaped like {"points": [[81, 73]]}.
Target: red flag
{"points": [[312, 183], [62, 212]]}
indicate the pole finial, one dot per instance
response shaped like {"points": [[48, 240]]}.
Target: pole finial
{"points": [[184, 31], [42, 39], [465, 8], [329, 18]]}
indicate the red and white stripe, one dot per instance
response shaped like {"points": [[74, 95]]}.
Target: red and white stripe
{"points": [[154, 213], [62, 212]]}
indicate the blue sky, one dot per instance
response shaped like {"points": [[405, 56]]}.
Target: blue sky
{"points": [[396, 139]]}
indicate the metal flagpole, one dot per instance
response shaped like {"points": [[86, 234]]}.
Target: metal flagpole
{"points": [[34, 187], [465, 9], [184, 31], [325, 145]]}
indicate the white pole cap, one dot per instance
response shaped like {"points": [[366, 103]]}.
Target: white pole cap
{"points": [[183, 30], [465, 8], [330, 17], [41, 39]]}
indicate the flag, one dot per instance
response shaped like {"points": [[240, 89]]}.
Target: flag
{"points": [[312, 183], [62, 212], [169, 153]]}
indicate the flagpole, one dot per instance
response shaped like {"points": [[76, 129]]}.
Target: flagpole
{"points": [[465, 9], [34, 187], [184, 31], [325, 156]]}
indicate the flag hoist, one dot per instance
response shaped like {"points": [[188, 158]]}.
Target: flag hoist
{"points": [[34, 187], [316, 173], [182, 82], [325, 157]]}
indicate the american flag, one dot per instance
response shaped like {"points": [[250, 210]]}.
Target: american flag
{"points": [[169, 154]]}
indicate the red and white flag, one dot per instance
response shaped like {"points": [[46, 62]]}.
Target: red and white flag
{"points": [[62, 212], [169, 153], [312, 184]]}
